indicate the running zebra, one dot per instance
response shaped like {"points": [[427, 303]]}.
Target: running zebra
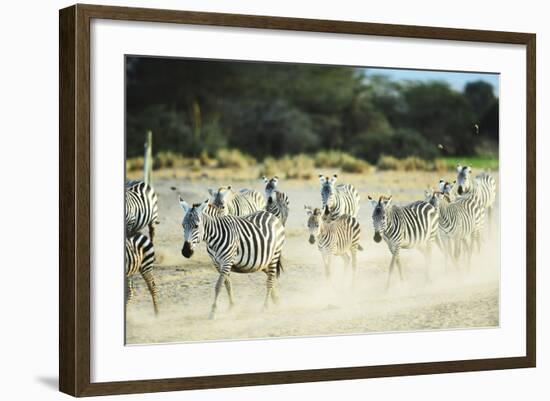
{"points": [[141, 209], [338, 237], [404, 227], [458, 222], [241, 203], [277, 202], [139, 257], [240, 244], [471, 204], [339, 199], [482, 188]]}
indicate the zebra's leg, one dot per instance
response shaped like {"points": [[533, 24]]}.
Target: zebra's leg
{"points": [[129, 290], [394, 257], [229, 289], [347, 259], [152, 230], [150, 281], [427, 251], [224, 272], [327, 259], [353, 266], [270, 285]]}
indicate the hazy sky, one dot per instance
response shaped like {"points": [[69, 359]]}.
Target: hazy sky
{"points": [[456, 80]]}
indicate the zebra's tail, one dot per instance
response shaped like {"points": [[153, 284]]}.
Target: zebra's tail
{"points": [[359, 247]]}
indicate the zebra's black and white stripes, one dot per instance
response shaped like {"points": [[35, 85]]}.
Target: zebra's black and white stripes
{"points": [[240, 244], [339, 199], [459, 222], [338, 237], [404, 227], [241, 203], [482, 188], [139, 257], [277, 202], [141, 208]]}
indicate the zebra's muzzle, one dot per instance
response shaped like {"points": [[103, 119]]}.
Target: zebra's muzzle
{"points": [[186, 251], [311, 239], [377, 237]]}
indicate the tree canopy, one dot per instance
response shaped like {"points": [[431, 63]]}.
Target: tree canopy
{"points": [[273, 109]]}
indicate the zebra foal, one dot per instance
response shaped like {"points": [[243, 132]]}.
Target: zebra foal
{"points": [[338, 237], [339, 199], [277, 202], [239, 244], [404, 227], [139, 256], [141, 208]]}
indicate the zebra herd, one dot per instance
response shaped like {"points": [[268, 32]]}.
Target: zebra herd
{"points": [[244, 230]]}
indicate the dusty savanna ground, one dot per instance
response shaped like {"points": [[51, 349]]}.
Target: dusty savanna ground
{"points": [[310, 305]]}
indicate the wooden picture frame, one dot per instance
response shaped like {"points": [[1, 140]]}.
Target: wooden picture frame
{"points": [[75, 207]]}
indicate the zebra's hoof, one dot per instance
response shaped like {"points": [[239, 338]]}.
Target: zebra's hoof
{"points": [[212, 316]]}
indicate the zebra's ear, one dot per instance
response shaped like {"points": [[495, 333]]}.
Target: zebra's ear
{"points": [[427, 193], [184, 205], [387, 201], [275, 180], [322, 178], [308, 210], [202, 206], [372, 201], [469, 170], [265, 179], [211, 192], [458, 168], [333, 179]]}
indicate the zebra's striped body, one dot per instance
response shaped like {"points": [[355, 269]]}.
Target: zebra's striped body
{"points": [[482, 189], [404, 227], [338, 237], [277, 202], [240, 244], [141, 209], [340, 199], [241, 203], [139, 257], [459, 222]]}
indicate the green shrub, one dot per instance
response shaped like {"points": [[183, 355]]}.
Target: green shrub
{"points": [[234, 158], [389, 163], [298, 167], [351, 164], [413, 163], [134, 163]]}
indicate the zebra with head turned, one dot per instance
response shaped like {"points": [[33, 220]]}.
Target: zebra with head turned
{"points": [[277, 202], [141, 209], [241, 203], [404, 227], [339, 199], [482, 188], [139, 256], [458, 222], [338, 237], [239, 244]]}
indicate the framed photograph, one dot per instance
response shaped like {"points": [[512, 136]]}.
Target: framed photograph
{"points": [[250, 200]]}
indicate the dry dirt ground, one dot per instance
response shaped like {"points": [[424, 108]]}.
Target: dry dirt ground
{"points": [[310, 305]]}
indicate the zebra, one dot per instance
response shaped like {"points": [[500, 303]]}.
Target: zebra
{"points": [[277, 202], [241, 203], [239, 244], [404, 227], [141, 208], [476, 212], [339, 199], [458, 222], [338, 237], [140, 257], [482, 188]]}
